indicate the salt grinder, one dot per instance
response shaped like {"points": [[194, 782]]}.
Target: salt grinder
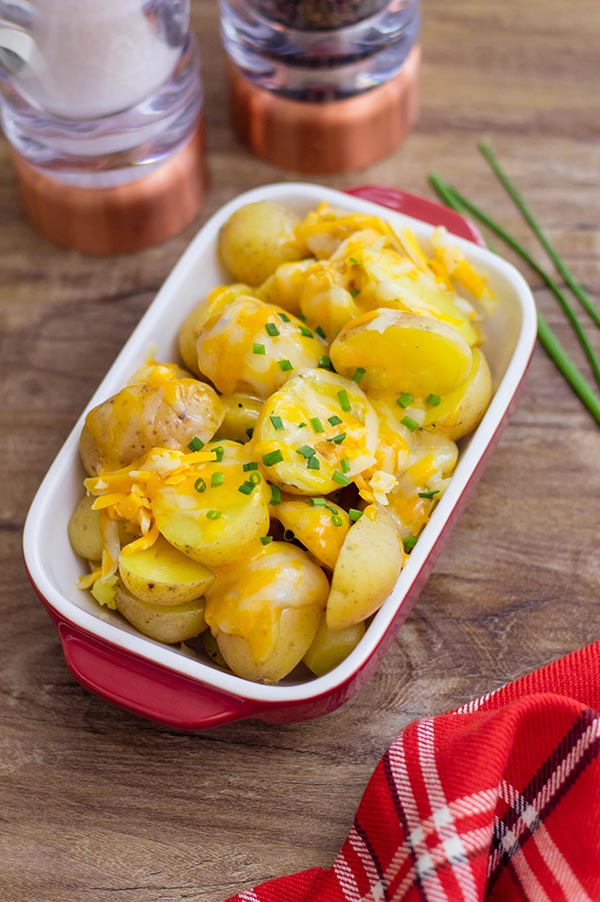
{"points": [[101, 104], [322, 86]]}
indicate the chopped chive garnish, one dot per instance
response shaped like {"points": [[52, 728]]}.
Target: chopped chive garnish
{"points": [[251, 466], [345, 464], [273, 457], [409, 423], [213, 514], [246, 488], [433, 400], [334, 420], [320, 331], [196, 444], [354, 514], [219, 452], [266, 540], [306, 451], [306, 331], [358, 374], [318, 502], [272, 330], [337, 439], [313, 463], [354, 261], [275, 494], [255, 478], [405, 399], [301, 316], [344, 402], [200, 485], [277, 422], [283, 317], [217, 479], [337, 520], [316, 424], [289, 535], [340, 478], [325, 362], [258, 348], [409, 543], [302, 426], [250, 432], [285, 365], [355, 292], [429, 494]]}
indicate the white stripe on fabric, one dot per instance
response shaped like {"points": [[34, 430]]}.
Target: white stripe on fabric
{"points": [[552, 856], [474, 705], [475, 841], [345, 878], [442, 816], [249, 896], [431, 885], [376, 890], [532, 888]]}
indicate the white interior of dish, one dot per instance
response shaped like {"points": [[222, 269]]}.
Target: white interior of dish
{"points": [[54, 568]]}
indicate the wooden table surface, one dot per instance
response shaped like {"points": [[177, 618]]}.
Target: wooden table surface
{"points": [[98, 805]]}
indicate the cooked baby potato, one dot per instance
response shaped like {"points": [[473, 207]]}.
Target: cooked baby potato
{"points": [[216, 300], [402, 352], [461, 411], [84, 531], [265, 611], [217, 511], [367, 569], [257, 238], [163, 575], [241, 414], [285, 286], [170, 624], [167, 413], [315, 434], [254, 347], [317, 523], [330, 647]]}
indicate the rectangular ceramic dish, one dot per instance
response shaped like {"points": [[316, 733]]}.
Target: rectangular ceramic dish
{"points": [[163, 683]]}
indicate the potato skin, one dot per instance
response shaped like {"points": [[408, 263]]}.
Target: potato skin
{"points": [[256, 239], [368, 566], [168, 624], [139, 417], [461, 411], [84, 531], [330, 647]]}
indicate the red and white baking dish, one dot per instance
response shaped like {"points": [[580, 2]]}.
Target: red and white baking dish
{"points": [[163, 683]]}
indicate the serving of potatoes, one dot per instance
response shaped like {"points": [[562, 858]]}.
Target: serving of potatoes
{"points": [[264, 492]]}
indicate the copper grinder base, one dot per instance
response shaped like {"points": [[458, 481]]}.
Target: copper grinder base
{"points": [[118, 219], [326, 138]]}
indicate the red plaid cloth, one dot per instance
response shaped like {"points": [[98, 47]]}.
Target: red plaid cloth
{"points": [[498, 799]]}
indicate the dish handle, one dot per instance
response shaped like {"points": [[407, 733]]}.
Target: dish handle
{"points": [[144, 687]]}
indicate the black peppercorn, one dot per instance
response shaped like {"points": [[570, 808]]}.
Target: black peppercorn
{"points": [[314, 15]]}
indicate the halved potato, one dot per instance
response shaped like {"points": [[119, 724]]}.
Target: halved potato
{"points": [[257, 238], [168, 413], [402, 352], [265, 611], [319, 524], [216, 300], [241, 414], [163, 575], [330, 647], [217, 512], [461, 411], [164, 623], [368, 566]]}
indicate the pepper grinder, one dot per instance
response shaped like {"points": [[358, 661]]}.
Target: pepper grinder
{"points": [[322, 86], [101, 104]]}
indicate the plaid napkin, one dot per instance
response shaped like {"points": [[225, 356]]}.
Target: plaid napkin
{"points": [[498, 799]]}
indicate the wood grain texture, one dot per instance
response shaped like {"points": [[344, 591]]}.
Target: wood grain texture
{"points": [[97, 805]]}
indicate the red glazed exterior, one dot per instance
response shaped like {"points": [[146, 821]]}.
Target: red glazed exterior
{"points": [[153, 691]]}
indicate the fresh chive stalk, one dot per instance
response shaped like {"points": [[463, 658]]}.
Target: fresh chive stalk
{"points": [[546, 336]]}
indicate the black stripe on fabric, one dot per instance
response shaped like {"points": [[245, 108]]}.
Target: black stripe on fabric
{"points": [[388, 772], [374, 857], [566, 745]]}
